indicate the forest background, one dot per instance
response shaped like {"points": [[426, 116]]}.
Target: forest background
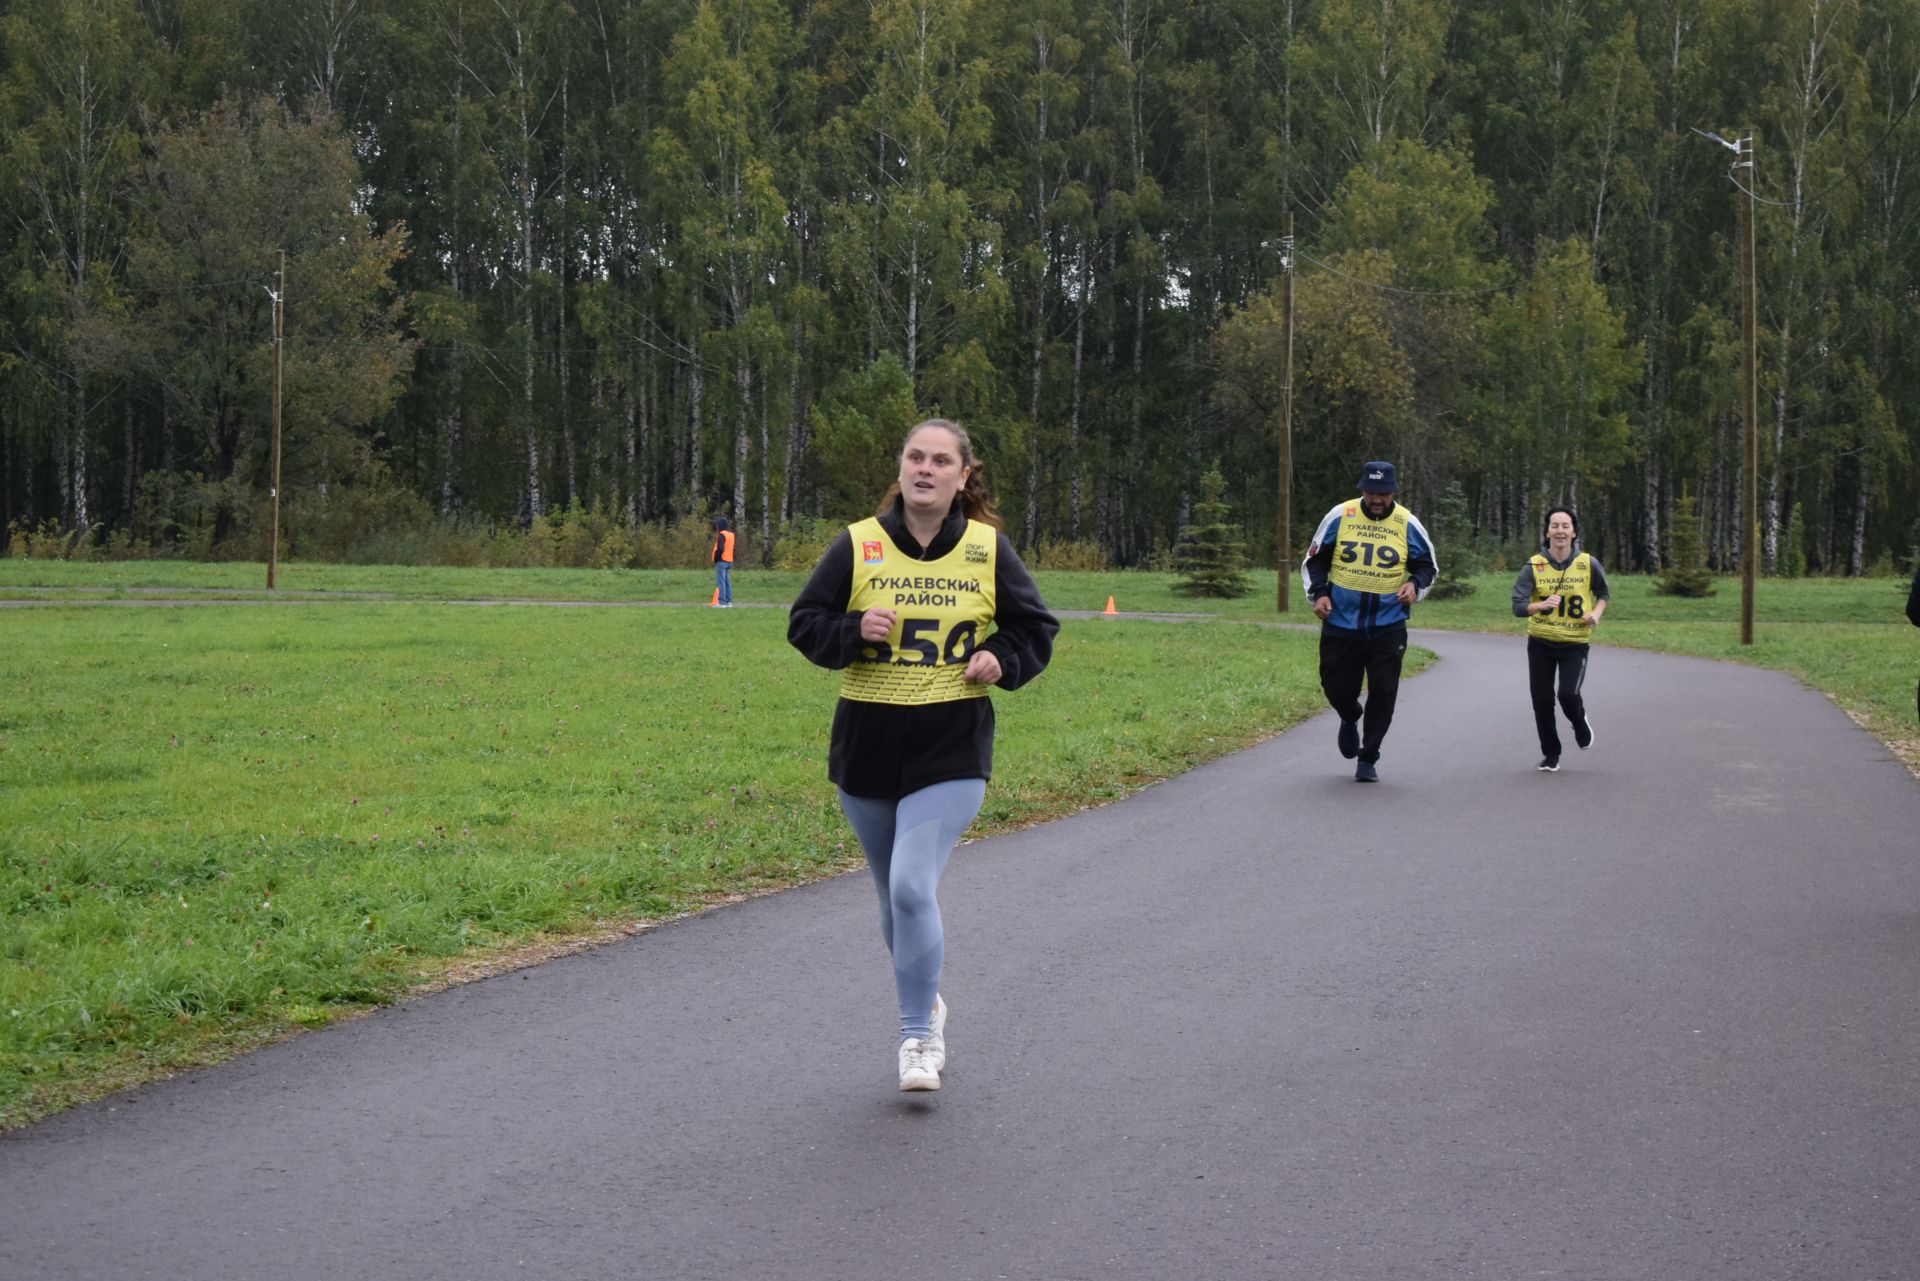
{"points": [[565, 279]]}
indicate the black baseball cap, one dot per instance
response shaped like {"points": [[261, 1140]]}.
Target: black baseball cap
{"points": [[1377, 478]]}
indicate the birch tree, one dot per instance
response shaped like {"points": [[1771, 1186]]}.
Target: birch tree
{"points": [[70, 83]]}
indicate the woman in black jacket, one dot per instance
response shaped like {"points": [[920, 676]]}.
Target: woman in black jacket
{"points": [[901, 604]]}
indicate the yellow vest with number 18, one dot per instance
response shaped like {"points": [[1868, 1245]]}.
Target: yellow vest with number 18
{"points": [[942, 611], [1371, 555], [1574, 585]]}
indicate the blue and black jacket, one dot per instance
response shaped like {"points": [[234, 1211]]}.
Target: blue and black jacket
{"points": [[1366, 611]]}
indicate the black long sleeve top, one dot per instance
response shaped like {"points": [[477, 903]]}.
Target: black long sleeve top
{"points": [[885, 751]]}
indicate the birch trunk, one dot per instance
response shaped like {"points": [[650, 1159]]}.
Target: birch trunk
{"points": [[568, 445], [1651, 559], [1079, 385], [913, 313], [766, 484], [1857, 551], [796, 426], [450, 424], [77, 474], [796, 408], [1031, 531], [696, 427], [1043, 237], [1037, 359], [63, 448], [1770, 514], [743, 380]]}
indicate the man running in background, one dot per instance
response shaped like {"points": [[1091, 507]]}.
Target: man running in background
{"points": [[1370, 560]]}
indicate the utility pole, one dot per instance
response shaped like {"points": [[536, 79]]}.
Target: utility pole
{"points": [[279, 347], [1284, 562], [1749, 390], [1743, 175]]}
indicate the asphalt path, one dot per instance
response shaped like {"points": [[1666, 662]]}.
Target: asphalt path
{"points": [[1654, 1017]]}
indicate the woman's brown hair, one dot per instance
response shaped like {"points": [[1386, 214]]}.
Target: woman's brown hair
{"points": [[973, 497]]}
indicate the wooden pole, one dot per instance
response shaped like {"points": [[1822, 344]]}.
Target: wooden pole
{"points": [[279, 346], [1749, 391], [1284, 561]]}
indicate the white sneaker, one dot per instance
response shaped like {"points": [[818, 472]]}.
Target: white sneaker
{"points": [[937, 1035], [917, 1071]]}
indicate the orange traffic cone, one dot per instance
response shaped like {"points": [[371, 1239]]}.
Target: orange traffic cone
{"points": [[1110, 611], [716, 598]]}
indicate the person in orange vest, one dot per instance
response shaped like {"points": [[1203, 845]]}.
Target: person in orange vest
{"points": [[722, 564], [923, 609]]}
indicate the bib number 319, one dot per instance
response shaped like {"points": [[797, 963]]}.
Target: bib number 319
{"points": [[1352, 550]]}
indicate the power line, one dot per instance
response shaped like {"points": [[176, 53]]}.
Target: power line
{"points": [[1852, 172], [1859, 164], [1755, 196]]}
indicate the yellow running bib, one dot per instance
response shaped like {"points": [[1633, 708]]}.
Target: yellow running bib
{"points": [[1574, 585], [943, 607], [1370, 556]]}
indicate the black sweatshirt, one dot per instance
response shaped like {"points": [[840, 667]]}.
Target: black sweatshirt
{"points": [[884, 751]]}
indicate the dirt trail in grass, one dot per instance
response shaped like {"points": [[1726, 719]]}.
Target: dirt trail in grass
{"points": [[1651, 1016]]}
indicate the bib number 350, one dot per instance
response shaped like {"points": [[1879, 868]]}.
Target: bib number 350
{"points": [[919, 646]]}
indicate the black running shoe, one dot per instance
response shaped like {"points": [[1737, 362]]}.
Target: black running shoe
{"points": [[1549, 765], [1583, 732], [1364, 772], [1349, 739]]}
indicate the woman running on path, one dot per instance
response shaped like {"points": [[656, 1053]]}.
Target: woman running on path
{"points": [[1562, 594], [901, 604]]}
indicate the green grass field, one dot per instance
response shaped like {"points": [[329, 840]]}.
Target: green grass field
{"points": [[224, 822]]}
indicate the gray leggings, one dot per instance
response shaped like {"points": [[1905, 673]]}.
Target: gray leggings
{"points": [[907, 843]]}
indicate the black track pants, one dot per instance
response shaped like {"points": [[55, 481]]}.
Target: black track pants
{"points": [[1346, 659], [1547, 663]]}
